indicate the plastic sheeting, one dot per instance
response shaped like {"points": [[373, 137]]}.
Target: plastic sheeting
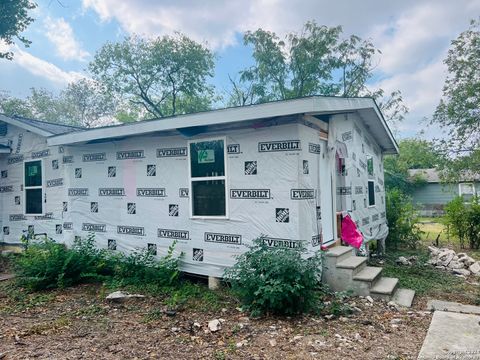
{"points": [[135, 192]]}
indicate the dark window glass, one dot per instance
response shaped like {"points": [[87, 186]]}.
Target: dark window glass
{"points": [[33, 203], [371, 193], [208, 198], [207, 158], [370, 166], [33, 173]]}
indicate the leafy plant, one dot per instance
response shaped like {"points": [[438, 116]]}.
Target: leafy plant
{"points": [[463, 220], [276, 280], [402, 220]]}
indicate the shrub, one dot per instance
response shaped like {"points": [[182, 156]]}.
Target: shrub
{"points": [[402, 220], [46, 264], [463, 220], [276, 280], [140, 266]]}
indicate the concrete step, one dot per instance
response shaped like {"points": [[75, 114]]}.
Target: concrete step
{"points": [[384, 288], [337, 251], [403, 297], [353, 264], [369, 274]]}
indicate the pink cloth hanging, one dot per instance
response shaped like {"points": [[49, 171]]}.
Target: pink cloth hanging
{"points": [[350, 233]]}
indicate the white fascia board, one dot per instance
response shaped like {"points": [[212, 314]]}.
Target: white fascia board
{"points": [[222, 116], [387, 130], [22, 125]]}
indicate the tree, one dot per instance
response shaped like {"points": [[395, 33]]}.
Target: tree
{"points": [[12, 106], [166, 76], [87, 103], [414, 154], [458, 112], [14, 19], [317, 61]]}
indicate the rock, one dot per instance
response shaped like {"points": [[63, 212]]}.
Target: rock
{"points": [[329, 317], [370, 299], [402, 260], [273, 342], [197, 325], [433, 250], [242, 343], [170, 312], [298, 337], [475, 268], [445, 257], [463, 272], [214, 325], [175, 329], [395, 321], [119, 296], [440, 267], [456, 265]]}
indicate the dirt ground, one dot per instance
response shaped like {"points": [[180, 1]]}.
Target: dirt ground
{"points": [[78, 323]]}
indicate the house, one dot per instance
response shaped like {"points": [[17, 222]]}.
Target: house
{"points": [[434, 194], [211, 181]]}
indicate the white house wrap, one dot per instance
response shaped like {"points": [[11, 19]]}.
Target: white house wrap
{"points": [[211, 181]]}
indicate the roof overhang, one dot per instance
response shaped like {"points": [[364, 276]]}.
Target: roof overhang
{"points": [[21, 124], [366, 107]]}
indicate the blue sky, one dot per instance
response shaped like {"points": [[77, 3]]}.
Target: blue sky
{"points": [[413, 35]]}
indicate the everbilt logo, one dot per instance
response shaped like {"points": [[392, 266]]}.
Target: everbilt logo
{"points": [[358, 190], [39, 154], [15, 159], [223, 238], [94, 227], [78, 192], [314, 148], [132, 154], [4, 189], [47, 216], [94, 157], [67, 226], [173, 234], [301, 194], [67, 159], [284, 145], [282, 215], [250, 194], [111, 192], [130, 230], [172, 152], [55, 182], [233, 149], [17, 217], [344, 190], [151, 192], [284, 243]]}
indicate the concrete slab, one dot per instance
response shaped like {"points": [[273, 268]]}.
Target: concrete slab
{"points": [[4, 277], [452, 336], [452, 307], [403, 297]]}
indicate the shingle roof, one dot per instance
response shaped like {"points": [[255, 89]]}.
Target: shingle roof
{"points": [[434, 176], [53, 128]]}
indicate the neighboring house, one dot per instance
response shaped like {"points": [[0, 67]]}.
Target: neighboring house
{"points": [[211, 181], [434, 194]]}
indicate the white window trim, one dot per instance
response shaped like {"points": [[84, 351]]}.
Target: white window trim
{"points": [[460, 193], [225, 177], [34, 187], [368, 195], [373, 165]]}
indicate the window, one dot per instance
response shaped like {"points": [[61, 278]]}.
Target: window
{"points": [[466, 190], [33, 187], [208, 178], [370, 165], [371, 193]]}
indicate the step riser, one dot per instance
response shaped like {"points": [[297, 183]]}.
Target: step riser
{"points": [[354, 271], [386, 297]]}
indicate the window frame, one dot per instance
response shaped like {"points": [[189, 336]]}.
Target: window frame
{"points": [[42, 187], [461, 193], [368, 195], [206, 178]]}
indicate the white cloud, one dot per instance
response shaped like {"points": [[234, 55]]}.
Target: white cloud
{"points": [[40, 68], [60, 34]]}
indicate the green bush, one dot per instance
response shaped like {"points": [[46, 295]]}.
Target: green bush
{"points": [[402, 220], [140, 266], [276, 280], [463, 220], [46, 264]]}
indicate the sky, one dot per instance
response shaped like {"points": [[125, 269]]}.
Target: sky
{"points": [[412, 35]]}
